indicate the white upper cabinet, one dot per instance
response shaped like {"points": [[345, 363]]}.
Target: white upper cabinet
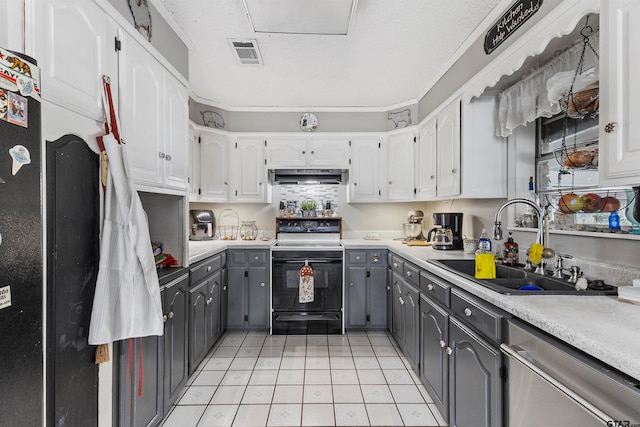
{"points": [[291, 152], [74, 46], [448, 150], [366, 174], [401, 158], [483, 154], [154, 118], [619, 88], [214, 167], [249, 175], [426, 160]]}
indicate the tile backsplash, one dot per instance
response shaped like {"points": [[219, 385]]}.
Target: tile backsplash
{"points": [[320, 192]]}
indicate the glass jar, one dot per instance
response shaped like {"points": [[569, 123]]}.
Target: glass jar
{"points": [[248, 230]]}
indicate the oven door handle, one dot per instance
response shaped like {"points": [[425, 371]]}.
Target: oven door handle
{"points": [[298, 260]]}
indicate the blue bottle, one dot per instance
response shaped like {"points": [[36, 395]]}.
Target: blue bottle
{"points": [[614, 221]]}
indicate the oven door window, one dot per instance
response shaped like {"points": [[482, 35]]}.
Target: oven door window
{"points": [[327, 278]]}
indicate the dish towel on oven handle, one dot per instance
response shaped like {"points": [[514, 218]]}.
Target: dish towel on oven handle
{"points": [[127, 302], [305, 294]]}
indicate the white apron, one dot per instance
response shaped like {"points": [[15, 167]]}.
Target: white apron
{"points": [[127, 297]]}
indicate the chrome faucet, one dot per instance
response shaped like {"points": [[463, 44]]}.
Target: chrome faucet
{"points": [[542, 219]]}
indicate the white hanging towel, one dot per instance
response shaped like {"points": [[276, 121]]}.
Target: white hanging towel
{"points": [[127, 297], [305, 293]]}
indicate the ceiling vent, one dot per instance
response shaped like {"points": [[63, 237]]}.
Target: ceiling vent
{"points": [[246, 52]]}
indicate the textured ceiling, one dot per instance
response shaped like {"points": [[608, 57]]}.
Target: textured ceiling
{"points": [[394, 51]]}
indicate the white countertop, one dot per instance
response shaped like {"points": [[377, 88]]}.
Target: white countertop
{"points": [[601, 326]]}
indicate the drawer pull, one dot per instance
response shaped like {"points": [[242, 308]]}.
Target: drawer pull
{"points": [[395, 265], [467, 312], [442, 344], [262, 284], [401, 300], [164, 318], [430, 286], [208, 268], [408, 274], [449, 351]]}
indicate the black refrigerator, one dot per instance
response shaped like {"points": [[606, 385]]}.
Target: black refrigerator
{"points": [[21, 242]]}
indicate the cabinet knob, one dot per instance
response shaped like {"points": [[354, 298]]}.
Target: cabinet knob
{"points": [[313, 152], [161, 154], [171, 315], [449, 351], [442, 344], [164, 318], [351, 284], [467, 312], [390, 182], [610, 127], [304, 152], [395, 265], [355, 184], [432, 177], [408, 274], [401, 300], [388, 287], [262, 284], [168, 157], [454, 170], [430, 286], [224, 288], [208, 268]]}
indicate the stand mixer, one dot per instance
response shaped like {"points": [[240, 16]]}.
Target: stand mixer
{"points": [[413, 228]]}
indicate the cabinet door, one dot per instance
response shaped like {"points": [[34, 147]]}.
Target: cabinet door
{"points": [[286, 153], [236, 296], [356, 302], [176, 350], [364, 175], [176, 121], [213, 308], [426, 160], [198, 324], [619, 104], [74, 50], [389, 299], [476, 386], [141, 402], [434, 361], [224, 301], [411, 325], [398, 309], [328, 153], [142, 110], [448, 151], [258, 287], [214, 167], [377, 297], [401, 163], [194, 165], [248, 176]]}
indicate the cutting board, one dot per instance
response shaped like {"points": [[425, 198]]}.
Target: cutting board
{"points": [[417, 243]]}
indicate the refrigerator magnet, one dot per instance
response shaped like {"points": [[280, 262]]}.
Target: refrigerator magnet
{"points": [[3, 104], [18, 109], [21, 156]]}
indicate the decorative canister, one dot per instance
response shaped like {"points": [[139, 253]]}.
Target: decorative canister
{"points": [[248, 230]]}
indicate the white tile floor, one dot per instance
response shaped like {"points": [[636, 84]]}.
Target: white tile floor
{"points": [[255, 379]]}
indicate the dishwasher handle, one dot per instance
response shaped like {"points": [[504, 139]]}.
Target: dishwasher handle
{"points": [[519, 354]]}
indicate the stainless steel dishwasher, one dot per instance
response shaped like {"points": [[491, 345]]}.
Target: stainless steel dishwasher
{"points": [[552, 384]]}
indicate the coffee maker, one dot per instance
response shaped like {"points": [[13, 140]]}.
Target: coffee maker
{"points": [[447, 233]]}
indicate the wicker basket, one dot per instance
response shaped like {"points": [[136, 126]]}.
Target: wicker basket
{"points": [[228, 225], [580, 104]]}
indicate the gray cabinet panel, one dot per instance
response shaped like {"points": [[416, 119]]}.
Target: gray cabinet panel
{"points": [[258, 287], [214, 293], [198, 344], [176, 350], [398, 308], [476, 386], [378, 297], [434, 361], [411, 325], [356, 297], [235, 297]]}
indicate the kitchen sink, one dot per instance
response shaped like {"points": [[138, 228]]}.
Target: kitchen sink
{"points": [[518, 281]]}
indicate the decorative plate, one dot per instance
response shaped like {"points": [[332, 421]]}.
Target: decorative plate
{"points": [[308, 122]]}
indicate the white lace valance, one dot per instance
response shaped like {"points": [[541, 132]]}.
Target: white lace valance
{"points": [[528, 99]]}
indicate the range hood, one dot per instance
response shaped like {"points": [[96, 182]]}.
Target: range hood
{"points": [[307, 176]]}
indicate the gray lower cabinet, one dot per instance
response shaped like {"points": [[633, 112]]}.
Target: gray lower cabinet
{"points": [[247, 289], [406, 317], [152, 370], [205, 307], [366, 289], [397, 292], [434, 361]]}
